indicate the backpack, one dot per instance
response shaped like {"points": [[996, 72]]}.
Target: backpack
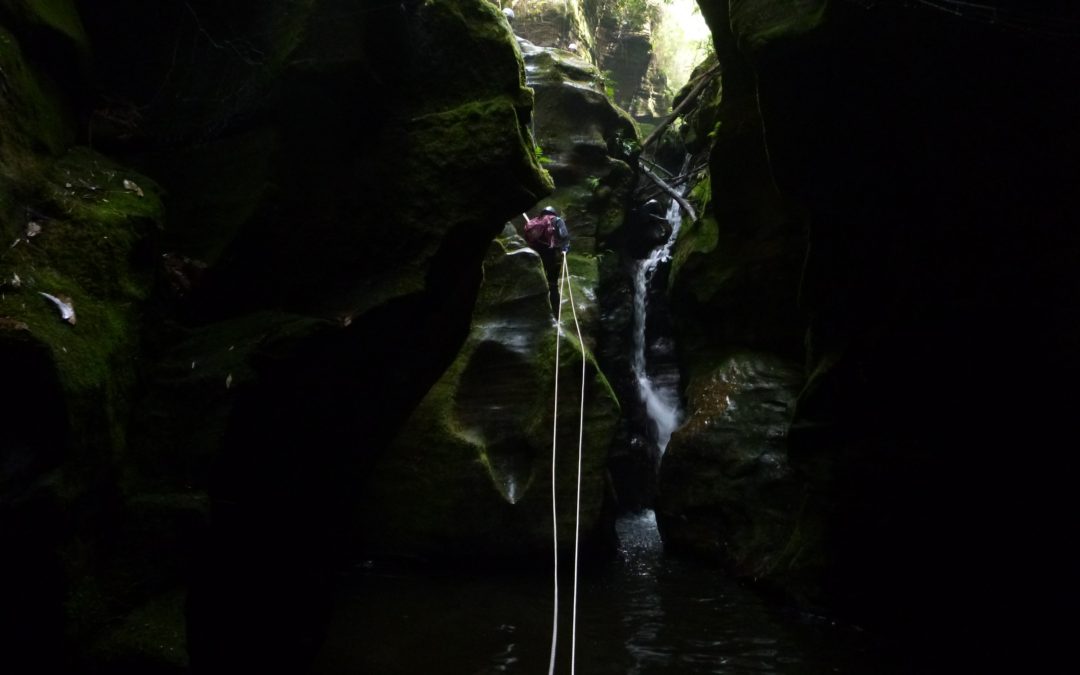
{"points": [[540, 232]]}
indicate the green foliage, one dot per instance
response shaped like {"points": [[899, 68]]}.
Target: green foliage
{"points": [[540, 156], [623, 146], [608, 79], [680, 39], [633, 15]]}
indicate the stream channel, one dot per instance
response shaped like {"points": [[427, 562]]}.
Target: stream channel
{"points": [[643, 612], [640, 612]]}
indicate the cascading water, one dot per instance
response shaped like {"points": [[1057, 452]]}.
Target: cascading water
{"points": [[661, 402]]}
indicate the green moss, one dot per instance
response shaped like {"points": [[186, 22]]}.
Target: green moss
{"points": [[216, 188], [90, 187], [758, 23], [470, 54], [61, 15], [699, 237], [288, 29], [82, 254], [217, 350], [460, 138], [151, 638], [179, 425], [31, 117], [447, 485]]}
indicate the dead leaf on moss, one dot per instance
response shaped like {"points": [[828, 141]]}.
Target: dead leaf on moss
{"points": [[64, 304], [132, 186]]}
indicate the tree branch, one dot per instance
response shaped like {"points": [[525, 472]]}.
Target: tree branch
{"points": [[683, 105], [673, 192]]}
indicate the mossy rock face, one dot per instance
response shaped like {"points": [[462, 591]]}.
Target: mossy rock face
{"points": [[735, 274], [89, 218], [182, 415], [586, 143], [469, 475], [719, 280], [217, 186], [34, 117], [726, 485], [68, 436], [338, 195], [150, 639], [555, 23], [335, 177], [939, 219], [75, 226], [760, 23], [187, 73], [58, 15], [701, 122]]}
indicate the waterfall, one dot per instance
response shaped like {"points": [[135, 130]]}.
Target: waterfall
{"points": [[661, 403]]}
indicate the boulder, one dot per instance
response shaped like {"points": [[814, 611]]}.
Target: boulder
{"points": [[73, 277], [469, 476], [935, 201], [727, 489], [586, 143]]}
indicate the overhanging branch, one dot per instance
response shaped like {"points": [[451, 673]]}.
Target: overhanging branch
{"points": [[706, 77], [673, 192]]}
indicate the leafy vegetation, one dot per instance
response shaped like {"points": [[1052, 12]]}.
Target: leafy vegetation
{"points": [[608, 78], [624, 14]]}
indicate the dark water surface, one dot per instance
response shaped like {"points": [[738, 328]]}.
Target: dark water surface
{"points": [[643, 613]]}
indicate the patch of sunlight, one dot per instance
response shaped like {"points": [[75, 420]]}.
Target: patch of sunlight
{"points": [[681, 40]]}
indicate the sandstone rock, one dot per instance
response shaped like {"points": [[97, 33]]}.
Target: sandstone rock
{"points": [[469, 475], [726, 486]]}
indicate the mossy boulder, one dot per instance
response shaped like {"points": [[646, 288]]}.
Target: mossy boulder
{"points": [[555, 23], [58, 15], [586, 143], [74, 223], [75, 226], [469, 475], [937, 207], [760, 23], [396, 148], [338, 237], [90, 218], [726, 486], [735, 272], [35, 117]]}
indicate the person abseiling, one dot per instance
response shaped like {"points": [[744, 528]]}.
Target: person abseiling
{"points": [[548, 235]]}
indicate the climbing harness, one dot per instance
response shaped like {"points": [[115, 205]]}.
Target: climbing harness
{"points": [[564, 282]]}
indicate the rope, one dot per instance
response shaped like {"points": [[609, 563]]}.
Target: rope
{"points": [[581, 437], [564, 282], [554, 436]]}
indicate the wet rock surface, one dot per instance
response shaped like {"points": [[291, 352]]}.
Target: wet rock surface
{"points": [[726, 485], [908, 181], [228, 347], [470, 474]]}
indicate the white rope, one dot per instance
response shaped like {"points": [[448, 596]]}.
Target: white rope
{"points": [[564, 283], [581, 438], [554, 512]]}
